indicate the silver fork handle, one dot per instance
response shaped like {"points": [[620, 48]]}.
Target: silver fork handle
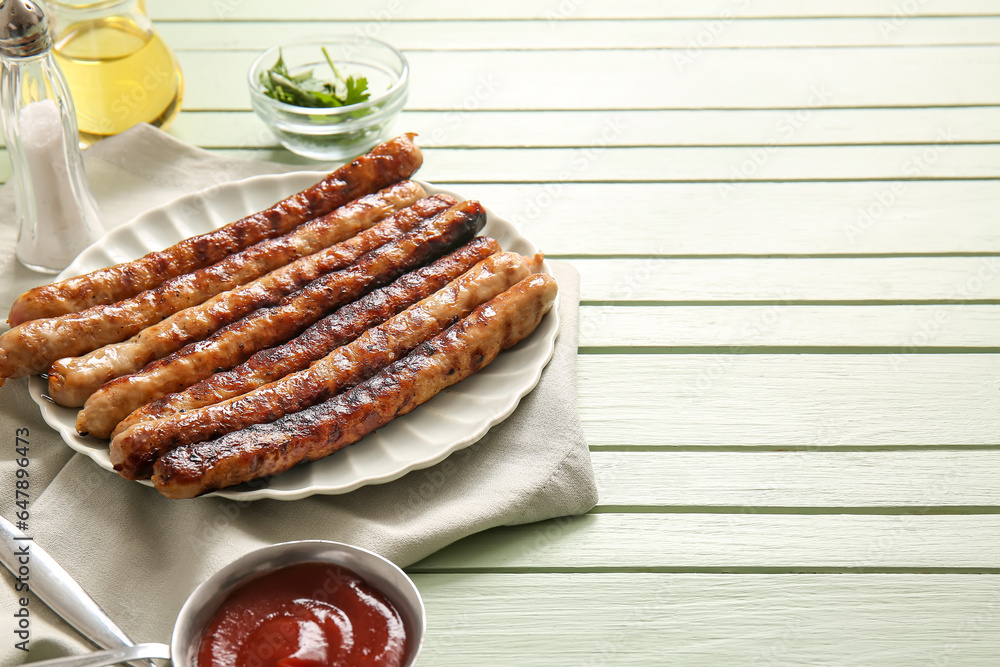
{"points": [[111, 657]]}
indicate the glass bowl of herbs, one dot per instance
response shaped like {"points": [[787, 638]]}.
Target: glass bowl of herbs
{"points": [[329, 98]]}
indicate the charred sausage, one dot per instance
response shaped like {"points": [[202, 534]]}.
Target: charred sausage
{"points": [[31, 347], [337, 329], [269, 326], [72, 380], [385, 164], [268, 449], [134, 451]]}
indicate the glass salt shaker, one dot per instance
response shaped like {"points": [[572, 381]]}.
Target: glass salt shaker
{"points": [[56, 213]]}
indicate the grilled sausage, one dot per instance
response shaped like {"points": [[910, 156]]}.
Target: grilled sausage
{"points": [[385, 164], [269, 326], [134, 451], [73, 379], [268, 449], [31, 347], [320, 339]]}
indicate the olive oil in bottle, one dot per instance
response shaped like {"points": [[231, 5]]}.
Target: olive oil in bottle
{"points": [[120, 74]]}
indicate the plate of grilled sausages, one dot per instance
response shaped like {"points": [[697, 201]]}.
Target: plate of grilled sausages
{"points": [[364, 326]]}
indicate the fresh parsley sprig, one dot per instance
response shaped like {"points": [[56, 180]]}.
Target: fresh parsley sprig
{"points": [[305, 90]]}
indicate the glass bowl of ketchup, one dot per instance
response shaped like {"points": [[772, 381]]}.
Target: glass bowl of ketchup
{"points": [[310, 603]]}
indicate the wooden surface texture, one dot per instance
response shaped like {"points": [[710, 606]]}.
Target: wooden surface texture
{"points": [[786, 220]]}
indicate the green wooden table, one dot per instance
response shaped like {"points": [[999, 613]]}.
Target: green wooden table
{"points": [[786, 220]]}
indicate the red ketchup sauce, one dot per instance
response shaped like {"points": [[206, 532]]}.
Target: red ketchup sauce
{"points": [[305, 615]]}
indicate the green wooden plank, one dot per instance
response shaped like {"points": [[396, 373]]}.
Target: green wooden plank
{"points": [[745, 540], [799, 401], [584, 219], [719, 78], [728, 168], [890, 329], [380, 10], [869, 281], [694, 34], [580, 129], [708, 620], [876, 481]]}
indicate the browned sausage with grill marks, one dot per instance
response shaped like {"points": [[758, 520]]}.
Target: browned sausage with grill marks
{"points": [[269, 326], [31, 347], [385, 164], [320, 339], [73, 379], [268, 449], [134, 451]]}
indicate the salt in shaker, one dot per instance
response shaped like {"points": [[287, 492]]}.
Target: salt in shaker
{"points": [[56, 213]]}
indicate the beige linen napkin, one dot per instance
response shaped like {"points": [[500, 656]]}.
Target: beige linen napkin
{"points": [[139, 555]]}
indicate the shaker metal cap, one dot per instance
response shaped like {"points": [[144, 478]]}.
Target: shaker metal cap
{"points": [[24, 30]]}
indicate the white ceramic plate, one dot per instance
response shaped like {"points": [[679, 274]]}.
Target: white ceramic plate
{"points": [[452, 420]]}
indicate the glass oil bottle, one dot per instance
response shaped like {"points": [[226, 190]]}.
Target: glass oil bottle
{"points": [[118, 67]]}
